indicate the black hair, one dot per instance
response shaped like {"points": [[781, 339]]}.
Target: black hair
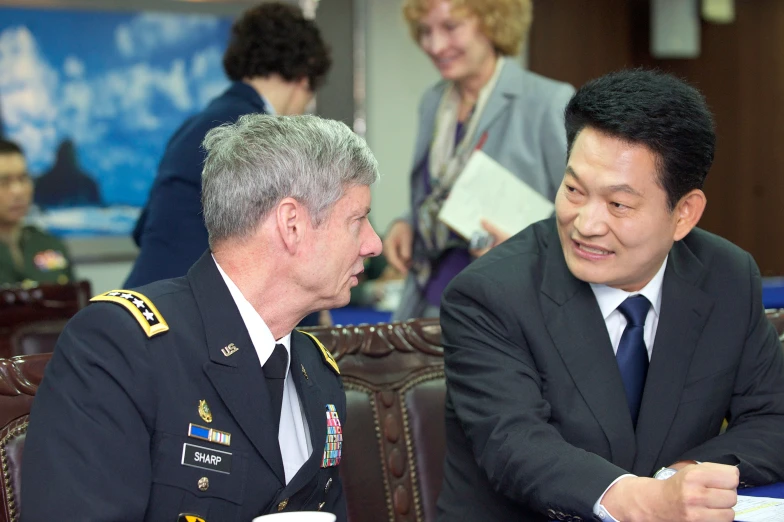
{"points": [[654, 109], [276, 38], [10, 147]]}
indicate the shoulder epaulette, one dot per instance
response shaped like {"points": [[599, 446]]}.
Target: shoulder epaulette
{"points": [[140, 307], [324, 352]]}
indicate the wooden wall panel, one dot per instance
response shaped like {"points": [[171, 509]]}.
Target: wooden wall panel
{"points": [[576, 40]]}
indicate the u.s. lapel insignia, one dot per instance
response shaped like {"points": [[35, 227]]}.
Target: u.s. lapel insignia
{"points": [[305, 373], [209, 434], [334, 444], [204, 411], [228, 350]]}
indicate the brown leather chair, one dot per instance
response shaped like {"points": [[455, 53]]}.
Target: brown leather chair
{"points": [[393, 445], [19, 306], [37, 337], [19, 379], [776, 316]]}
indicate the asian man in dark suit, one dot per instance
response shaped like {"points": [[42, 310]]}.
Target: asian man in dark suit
{"points": [[608, 345]]}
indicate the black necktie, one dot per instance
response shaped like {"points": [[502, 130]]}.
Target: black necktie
{"points": [[275, 370], [632, 355]]}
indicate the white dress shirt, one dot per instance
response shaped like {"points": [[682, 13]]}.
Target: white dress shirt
{"points": [[293, 436], [268, 106], [609, 300]]}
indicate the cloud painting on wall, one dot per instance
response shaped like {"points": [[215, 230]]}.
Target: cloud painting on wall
{"points": [[93, 97]]}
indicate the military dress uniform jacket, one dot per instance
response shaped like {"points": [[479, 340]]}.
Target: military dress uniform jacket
{"points": [[45, 257], [109, 440]]}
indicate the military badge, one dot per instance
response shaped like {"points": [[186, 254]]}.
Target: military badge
{"points": [[50, 260], [209, 434], [204, 411], [334, 443], [229, 350]]}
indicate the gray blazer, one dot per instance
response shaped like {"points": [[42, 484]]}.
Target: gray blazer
{"points": [[524, 122]]}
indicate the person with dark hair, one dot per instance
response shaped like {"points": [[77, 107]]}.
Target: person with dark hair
{"points": [[592, 359], [276, 59], [27, 253]]}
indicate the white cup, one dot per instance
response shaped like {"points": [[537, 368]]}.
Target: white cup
{"points": [[297, 516]]}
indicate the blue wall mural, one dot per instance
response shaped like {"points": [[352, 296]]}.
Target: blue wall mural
{"points": [[93, 97]]}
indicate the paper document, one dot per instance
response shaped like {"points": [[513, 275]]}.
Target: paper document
{"points": [[485, 189], [759, 509]]}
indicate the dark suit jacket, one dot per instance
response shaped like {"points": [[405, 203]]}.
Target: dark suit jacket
{"points": [[537, 420], [110, 420], [170, 232]]}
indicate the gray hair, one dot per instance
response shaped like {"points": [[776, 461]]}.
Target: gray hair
{"points": [[254, 163]]}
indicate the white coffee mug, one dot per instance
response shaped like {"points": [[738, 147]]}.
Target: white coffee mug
{"points": [[297, 516]]}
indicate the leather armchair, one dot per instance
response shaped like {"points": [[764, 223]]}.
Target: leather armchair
{"points": [[19, 379], [19, 306], [393, 447]]}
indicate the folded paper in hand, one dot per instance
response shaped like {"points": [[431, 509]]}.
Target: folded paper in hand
{"points": [[487, 190]]}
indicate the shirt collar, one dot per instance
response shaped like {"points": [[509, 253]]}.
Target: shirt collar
{"points": [[248, 94], [268, 107], [610, 298], [260, 334]]}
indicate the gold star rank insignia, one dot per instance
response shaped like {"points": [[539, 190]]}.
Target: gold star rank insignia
{"points": [[140, 307]]}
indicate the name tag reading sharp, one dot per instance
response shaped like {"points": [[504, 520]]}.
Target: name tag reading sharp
{"points": [[206, 458]]}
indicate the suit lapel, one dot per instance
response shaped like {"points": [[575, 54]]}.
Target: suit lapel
{"points": [[578, 330], [684, 310], [313, 407], [507, 87], [237, 378]]}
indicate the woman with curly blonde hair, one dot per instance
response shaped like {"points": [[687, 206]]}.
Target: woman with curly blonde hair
{"points": [[485, 100]]}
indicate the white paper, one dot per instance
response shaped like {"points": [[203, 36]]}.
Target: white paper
{"points": [[486, 190], [297, 516], [759, 509]]}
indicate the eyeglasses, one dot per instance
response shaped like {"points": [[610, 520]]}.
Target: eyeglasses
{"points": [[22, 179]]}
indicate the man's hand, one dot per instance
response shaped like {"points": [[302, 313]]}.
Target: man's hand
{"points": [[498, 235], [697, 493], [397, 246]]}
